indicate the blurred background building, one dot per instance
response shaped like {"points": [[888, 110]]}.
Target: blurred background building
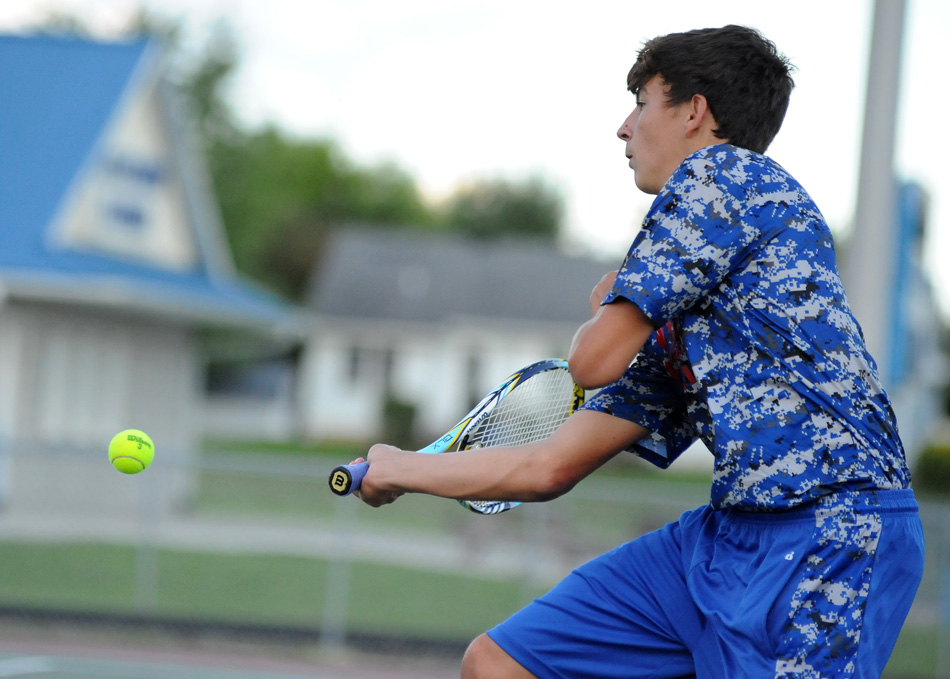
{"points": [[115, 276], [422, 326]]}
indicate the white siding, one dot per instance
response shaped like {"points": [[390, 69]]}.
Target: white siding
{"points": [[82, 377], [430, 368]]}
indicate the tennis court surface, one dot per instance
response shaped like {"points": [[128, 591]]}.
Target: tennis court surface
{"points": [[67, 667], [38, 660]]}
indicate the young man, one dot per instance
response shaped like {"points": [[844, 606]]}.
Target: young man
{"points": [[727, 322]]}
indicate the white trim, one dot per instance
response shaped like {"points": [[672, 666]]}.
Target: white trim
{"points": [[144, 69], [206, 222], [112, 292]]}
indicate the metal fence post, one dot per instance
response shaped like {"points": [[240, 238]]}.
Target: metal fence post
{"points": [[336, 599], [146, 548]]}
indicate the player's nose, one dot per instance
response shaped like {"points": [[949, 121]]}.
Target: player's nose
{"points": [[625, 130]]}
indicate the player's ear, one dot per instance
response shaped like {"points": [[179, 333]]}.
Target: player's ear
{"points": [[699, 115]]}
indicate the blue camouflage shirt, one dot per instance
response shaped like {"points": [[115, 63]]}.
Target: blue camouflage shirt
{"points": [[757, 352]]}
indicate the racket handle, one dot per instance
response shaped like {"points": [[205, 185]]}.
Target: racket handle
{"points": [[347, 477]]}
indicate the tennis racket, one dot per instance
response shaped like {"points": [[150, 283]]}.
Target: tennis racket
{"points": [[526, 407]]}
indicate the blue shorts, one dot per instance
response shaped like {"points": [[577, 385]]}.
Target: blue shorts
{"points": [[817, 591]]}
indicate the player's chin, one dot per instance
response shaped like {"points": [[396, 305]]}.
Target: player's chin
{"points": [[646, 185]]}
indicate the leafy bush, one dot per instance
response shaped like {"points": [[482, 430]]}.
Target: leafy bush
{"points": [[399, 419], [932, 472]]}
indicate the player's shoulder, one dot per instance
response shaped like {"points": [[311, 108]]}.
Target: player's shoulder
{"points": [[733, 163], [746, 176], [725, 176]]}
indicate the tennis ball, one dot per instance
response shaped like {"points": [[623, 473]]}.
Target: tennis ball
{"points": [[131, 451]]}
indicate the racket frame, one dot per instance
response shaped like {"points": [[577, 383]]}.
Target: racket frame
{"points": [[346, 478]]}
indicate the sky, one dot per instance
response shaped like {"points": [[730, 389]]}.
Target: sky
{"points": [[459, 91]]}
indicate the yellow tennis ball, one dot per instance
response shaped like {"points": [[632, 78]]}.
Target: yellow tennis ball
{"points": [[131, 451]]}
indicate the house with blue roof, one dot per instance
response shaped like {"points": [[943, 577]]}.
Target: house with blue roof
{"points": [[114, 267]]}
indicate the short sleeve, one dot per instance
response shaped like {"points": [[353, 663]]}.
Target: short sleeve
{"points": [[692, 237], [647, 396]]}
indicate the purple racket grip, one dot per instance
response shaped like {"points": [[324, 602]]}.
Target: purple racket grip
{"points": [[347, 477]]}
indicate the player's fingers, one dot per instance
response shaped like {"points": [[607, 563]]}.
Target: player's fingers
{"points": [[367, 493], [380, 449], [378, 499]]}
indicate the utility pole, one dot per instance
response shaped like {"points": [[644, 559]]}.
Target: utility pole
{"points": [[871, 264]]}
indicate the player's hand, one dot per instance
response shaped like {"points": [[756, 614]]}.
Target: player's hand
{"points": [[373, 491], [600, 291]]}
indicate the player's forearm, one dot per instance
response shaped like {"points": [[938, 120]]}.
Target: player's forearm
{"points": [[498, 473], [528, 473]]}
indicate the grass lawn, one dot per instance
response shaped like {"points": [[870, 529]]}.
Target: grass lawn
{"points": [[618, 503], [288, 591], [262, 589], [915, 654]]}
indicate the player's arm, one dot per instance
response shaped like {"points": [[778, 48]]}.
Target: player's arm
{"points": [[605, 346], [528, 473]]}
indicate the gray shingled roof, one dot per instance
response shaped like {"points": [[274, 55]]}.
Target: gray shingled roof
{"points": [[424, 277]]}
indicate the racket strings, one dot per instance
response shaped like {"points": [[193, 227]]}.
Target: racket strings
{"points": [[531, 411], [489, 506]]}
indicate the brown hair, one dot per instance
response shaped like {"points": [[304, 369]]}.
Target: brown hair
{"points": [[745, 79]]}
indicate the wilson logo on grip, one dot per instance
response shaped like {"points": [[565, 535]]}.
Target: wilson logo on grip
{"points": [[340, 481]]}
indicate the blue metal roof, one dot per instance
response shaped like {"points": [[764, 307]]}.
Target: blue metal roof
{"points": [[57, 98]]}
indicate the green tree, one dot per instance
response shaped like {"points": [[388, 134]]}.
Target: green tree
{"points": [[281, 197], [495, 208], [204, 80]]}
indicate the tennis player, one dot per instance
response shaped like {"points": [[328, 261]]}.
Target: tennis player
{"points": [[727, 323]]}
